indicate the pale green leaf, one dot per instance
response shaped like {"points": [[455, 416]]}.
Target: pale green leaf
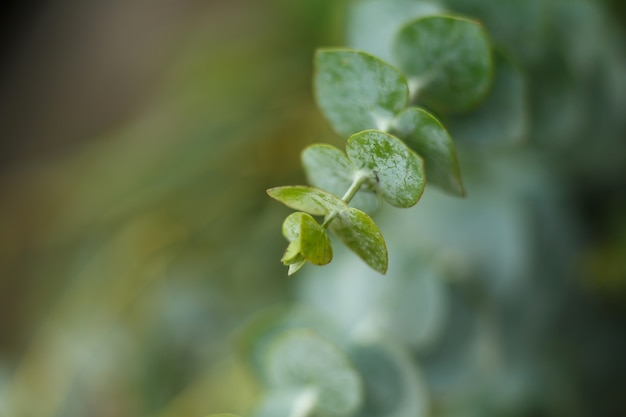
{"points": [[357, 91], [308, 241], [292, 253], [359, 233], [394, 171], [307, 199], [329, 169], [430, 140], [447, 60], [314, 243], [295, 267], [302, 358], [291, 226]]}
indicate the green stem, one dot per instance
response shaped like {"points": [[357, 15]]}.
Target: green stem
{"points": [[356, 185], [358, 181]]}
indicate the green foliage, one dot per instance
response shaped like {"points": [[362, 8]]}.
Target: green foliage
{"points": [[357, 91], [358, 232], [449, 66], [308, 242], [310, 200], [447, 61], [483, 248], [127, 262], [330, 169], [392, 170], [426, 135]]}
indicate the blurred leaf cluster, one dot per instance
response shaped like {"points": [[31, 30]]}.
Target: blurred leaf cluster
{"points": [[132, 254]]}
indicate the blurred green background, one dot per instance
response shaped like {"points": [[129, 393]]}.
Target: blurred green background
{"points": [[137, 140]]}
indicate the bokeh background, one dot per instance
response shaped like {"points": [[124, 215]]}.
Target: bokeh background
{"points": [[137, 139]]}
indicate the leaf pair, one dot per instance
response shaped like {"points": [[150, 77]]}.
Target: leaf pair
{"points": [[308, 241], [448, 64], [385, 165], [357, 91], [448, 67], [446, 59]]}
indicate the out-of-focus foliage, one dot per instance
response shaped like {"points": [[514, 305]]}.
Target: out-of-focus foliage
{"points": [[128, 257], [136, 234]]}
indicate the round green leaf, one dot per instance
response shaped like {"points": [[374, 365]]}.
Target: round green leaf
{"points": [[429, 139], [329, 168], [394, 171], [314, 243], [302, 358], [308, 241], [447, 60], [308, 199], [357, 91], [359, 233], [291, 226], [293, 254]]}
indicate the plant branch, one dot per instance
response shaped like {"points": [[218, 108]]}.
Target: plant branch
{"points": [[358, 181]]}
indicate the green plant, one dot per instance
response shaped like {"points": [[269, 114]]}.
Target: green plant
{"points": [[444, 64], [372, 333], [393, 146]]}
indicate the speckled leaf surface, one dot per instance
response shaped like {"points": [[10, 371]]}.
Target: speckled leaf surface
{"points": [[356, 91], [301, 357], [395, 172], [307, 199], [423, 133], [329, 169], [447, 60], [359, 233]]}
